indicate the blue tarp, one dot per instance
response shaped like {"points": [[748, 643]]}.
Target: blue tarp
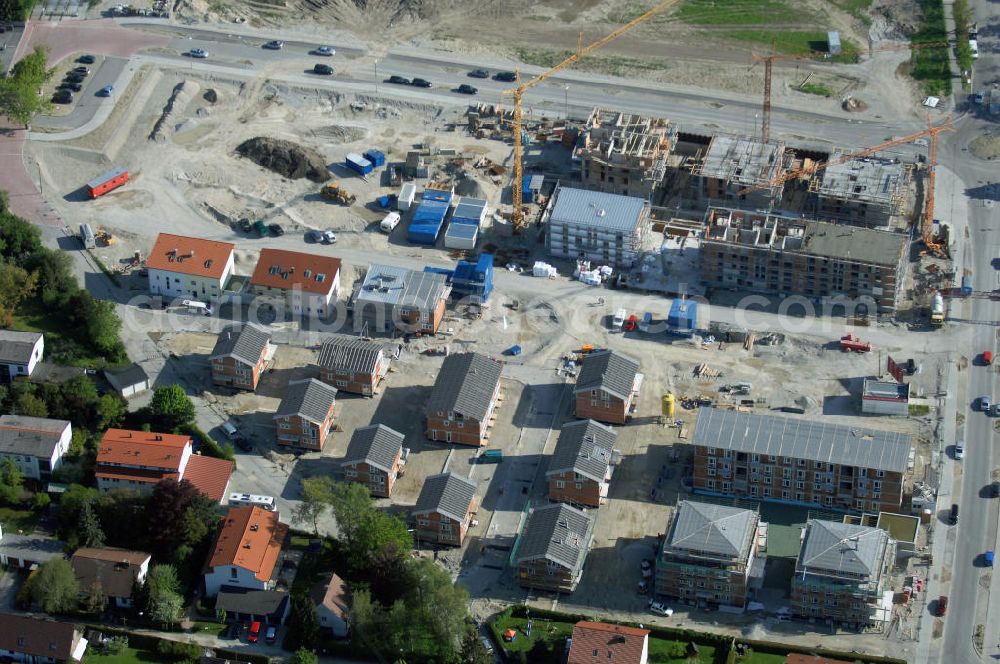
{"points": [[425, 227]]}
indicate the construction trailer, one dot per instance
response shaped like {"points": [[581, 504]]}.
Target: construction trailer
{"points": [[375, 157], [425, 227], [358, 164], [474, 280], [463, 229], [104, 183], [406, 195], [87, 237], [682, 320]]}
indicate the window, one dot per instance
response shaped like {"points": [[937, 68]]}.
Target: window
{"points": [[233, 572], [579, 485], [710, 450], [560, 484]]}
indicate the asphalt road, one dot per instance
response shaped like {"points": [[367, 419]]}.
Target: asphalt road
{"points": [[87, 102]]}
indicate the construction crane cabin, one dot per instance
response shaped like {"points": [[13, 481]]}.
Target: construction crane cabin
{"points": [[517, 218]]}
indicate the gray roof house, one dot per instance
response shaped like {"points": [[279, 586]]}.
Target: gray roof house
{"points": [[836, 550], [35, 444], [128, 381], [609, 371], [20, 352], [467, 384], [584, 447], [376, 445], [447, 493], [391, 296], [26, 550], [553, 547], [711, 532], [800, 438], [310, 399], [603, 227], [244, 341], [348, 353]]}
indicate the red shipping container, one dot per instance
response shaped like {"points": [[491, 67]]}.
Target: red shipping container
{"points": [[106, 182]]}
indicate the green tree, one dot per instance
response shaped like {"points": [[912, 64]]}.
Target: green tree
{"points": [[303, 656], [18, 238], [365, 531], [111, 410], [54, 587], [163, 600], [76, 401], [90, 530], [437, 606], [11, 481], [16, 285], [71, 505], [315, 500], [30, 406], [19, 98], [473, 651], [56, 281], [116, 645], [171, 407], [178, 514], [303, 628], [96, 599], [42, 501]]}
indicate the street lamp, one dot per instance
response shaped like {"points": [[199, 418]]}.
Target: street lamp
{"points": [[566, 102], [376, 76]]}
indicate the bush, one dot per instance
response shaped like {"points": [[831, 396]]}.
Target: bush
{"points": [[176, 651], [209, 447]]}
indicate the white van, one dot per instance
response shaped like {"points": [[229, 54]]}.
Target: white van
{"points": [[390, 222], [250, 500], [196, 307], [230, 430]]}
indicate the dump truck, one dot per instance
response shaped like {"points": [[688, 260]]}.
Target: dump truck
{"points": [[334, 192]]}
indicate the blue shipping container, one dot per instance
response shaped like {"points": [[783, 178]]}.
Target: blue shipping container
{"points": [[357, 163], [375, 157], [474, 280], [527, 195], [683, 317], [425, 227]]}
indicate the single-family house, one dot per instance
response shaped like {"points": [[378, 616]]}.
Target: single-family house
{"points": [[40, 640], [139, 459], [303, 284], [607, 387], [189, 267], [305, 414], [555, 541], [246, 551], [352, 364], [20, 353], [35, 444], [596, 642], [332, 601], [270, 607], [395, 298], [374, 458], [444, 509], [462, 406], [240, 356], [581, 466], [109, 572]]}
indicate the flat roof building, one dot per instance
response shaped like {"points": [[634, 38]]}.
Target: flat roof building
{"points": [[733, 163], [607, 229], [763, 252], [868, 191]]}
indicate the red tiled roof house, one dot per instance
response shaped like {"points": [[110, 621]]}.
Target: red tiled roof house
{"points": [[304, 284], [189, 267], [595, 642], [246, 551]]}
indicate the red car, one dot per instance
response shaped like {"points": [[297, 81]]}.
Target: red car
{"points": [[942, 605], [254, 632]]}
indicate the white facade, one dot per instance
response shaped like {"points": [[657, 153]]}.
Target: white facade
{"points": [[300, 302], [169, 283], [606, 229], [34, 466], [15, 369], [330, 620], [231, 575], [106, 484]]}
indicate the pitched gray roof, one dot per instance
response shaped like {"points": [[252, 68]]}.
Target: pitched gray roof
{"points": [[30, 436], [609, 371], [308, 398], [447, 493], [127, 376], [813, 440], [244, 341], [715, 529], [377, 445], [256, 602], [596, 209], [16, 347], [350, 354], [584, 446], [556, 532], [36, 548], [465, 385], [833, 547]]}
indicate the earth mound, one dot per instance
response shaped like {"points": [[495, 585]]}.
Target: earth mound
{"points": [[285, 158]]}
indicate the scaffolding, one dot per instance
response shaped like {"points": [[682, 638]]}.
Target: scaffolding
{"points": [[625, 153]]}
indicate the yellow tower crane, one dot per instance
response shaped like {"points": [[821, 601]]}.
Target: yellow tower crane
{"points": [[518, 95]]}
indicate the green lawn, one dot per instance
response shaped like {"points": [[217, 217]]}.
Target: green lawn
{"points": [[661, 651], [815, 89], [740, 12], [792, 42], [128, 656], [856, 8], [210, 627], [61, 345], [14, 520], [761, 658]]}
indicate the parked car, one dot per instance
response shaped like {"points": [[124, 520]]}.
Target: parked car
{"points": [[984, 403], [69, 85], [399, 80], [995, 489], [987, 357], [953, 515], [467, 89], [254, 634], [324, 70], [271, 635], [86, 59], [324, 51], [314, 236], [420, 83], [276, 230], [959, 449], [81, 70], [329, 237], [659, 608], [505, 76], [942, 606], [479, 73], [74, 78], [274, 45], [243, 443], [988, 558], [487, 644], [198, 53], [106, 91], [62, 97]]}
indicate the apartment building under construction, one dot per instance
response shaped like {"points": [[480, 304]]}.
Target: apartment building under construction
{"points": [[625, 153], [732, 164], [762, 252], [868, 191]]}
